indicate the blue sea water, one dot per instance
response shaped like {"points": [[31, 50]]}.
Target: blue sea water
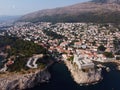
{"points": [[61, 80]]}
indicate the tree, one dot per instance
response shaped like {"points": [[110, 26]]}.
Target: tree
{"points": [[109, 54], [101, 48], [94, 43], [70, 58]]}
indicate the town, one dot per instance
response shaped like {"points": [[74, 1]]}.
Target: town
{"points": [[81, 43]]}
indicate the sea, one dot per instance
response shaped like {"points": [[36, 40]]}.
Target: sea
{"points": [[61, 80]]}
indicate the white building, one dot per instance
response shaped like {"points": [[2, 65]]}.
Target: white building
{"points": [[83, 62]]}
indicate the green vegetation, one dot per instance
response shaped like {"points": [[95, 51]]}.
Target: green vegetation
{"points": [[42, 62], [19, 64], [116, 43], [52, 34], [93, 43], [70, 58], [20, 47], [101, 48], [21, 50], [109, 54]]}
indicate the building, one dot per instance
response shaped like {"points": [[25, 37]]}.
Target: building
{"points": [[82, 61]]}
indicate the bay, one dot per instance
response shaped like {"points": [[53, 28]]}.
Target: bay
{"points": [[62, 80]]}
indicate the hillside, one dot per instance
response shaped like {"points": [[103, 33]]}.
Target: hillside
{"points": [[17, 51], [93, 11], [107, 1]]}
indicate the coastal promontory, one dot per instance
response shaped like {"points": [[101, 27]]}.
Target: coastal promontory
{"points": [[23, 64], [84, 76]]}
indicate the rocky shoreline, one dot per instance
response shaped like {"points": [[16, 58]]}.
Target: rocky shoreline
{"points": [[24, 81], [84, 77]]}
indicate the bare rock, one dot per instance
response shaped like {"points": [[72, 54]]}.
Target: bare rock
{"points": [[84, 77], [19, 82]]}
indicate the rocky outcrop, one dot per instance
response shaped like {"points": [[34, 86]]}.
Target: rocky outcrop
{"points": [[118, 67], [89, 76], [23, 81]]}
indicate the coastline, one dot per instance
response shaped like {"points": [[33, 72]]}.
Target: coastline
{"points": [[84, 78], [24, 81]]}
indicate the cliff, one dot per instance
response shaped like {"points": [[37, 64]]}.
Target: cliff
{"points": [[23, 81], [84, 77]]}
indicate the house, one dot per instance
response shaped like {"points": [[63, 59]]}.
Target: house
{"points": [[77, 44]]}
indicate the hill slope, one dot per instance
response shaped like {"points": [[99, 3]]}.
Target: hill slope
{"points": [[94, 11]]}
